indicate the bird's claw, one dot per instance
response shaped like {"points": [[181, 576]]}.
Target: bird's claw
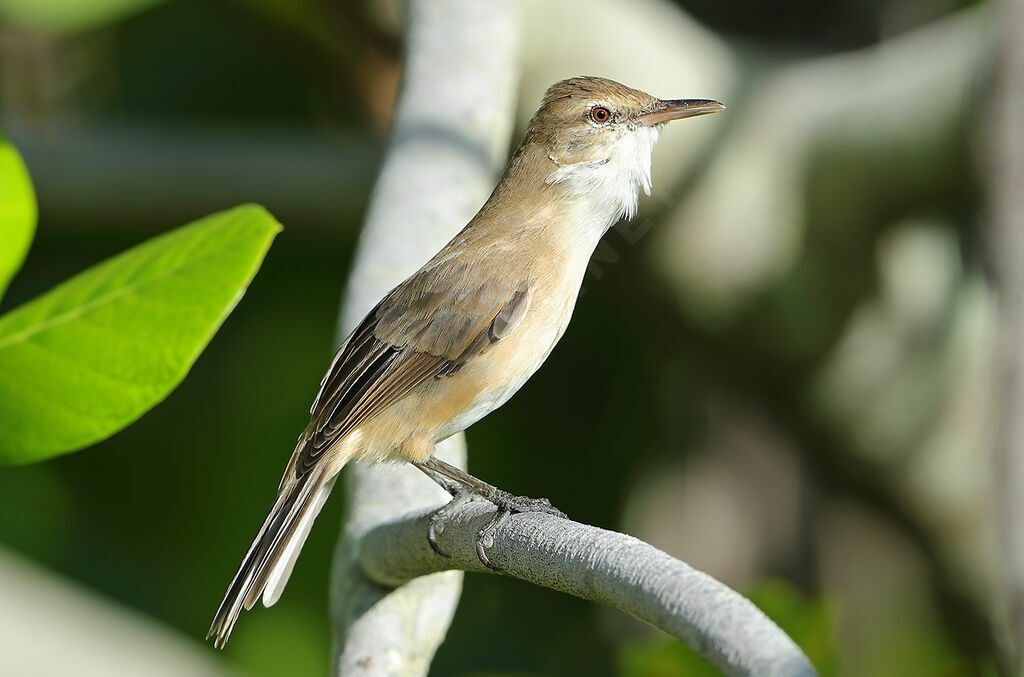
{"points": [[460, 497], [435, 527], [485, 537]]}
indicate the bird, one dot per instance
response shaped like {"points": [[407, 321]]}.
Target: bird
{"points": [[456, 339]]}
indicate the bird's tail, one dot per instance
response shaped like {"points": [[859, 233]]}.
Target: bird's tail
{"points": [[269, 561]]}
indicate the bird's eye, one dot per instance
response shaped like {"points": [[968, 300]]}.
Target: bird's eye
{"points": [[600, 114]]}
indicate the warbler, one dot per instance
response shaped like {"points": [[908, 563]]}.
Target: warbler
{"points": [[460, 336]]}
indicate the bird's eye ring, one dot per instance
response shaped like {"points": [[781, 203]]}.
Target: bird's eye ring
{"points": [[600, 114]]}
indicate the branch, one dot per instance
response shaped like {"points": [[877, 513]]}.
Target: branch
{"points": [[601, 566], [448, 140]]}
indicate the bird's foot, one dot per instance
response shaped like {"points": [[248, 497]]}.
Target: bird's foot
{"points": [[464, 489], [508, 505], [517, 504]]}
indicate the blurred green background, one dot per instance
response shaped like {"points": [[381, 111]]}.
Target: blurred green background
{"points": [[813, 429]]}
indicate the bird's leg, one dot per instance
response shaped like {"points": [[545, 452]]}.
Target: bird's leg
{"points": [[446, 475], [460, 497], [465, 488], [449, 485]]}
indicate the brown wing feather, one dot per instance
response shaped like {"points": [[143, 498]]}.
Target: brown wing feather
{"points": [[416, 333]]}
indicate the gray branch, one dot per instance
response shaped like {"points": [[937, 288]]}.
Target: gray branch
{"points": [[602, 566], [448, 139]]}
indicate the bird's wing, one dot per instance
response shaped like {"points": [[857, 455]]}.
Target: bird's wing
{"points": [[429, 326]]}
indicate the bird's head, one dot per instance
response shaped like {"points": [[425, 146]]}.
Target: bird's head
{"points": [[598, 135]]}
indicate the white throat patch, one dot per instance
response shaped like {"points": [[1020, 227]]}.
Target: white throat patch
{"points": [[614, 182]]}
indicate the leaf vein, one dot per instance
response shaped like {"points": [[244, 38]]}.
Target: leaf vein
{"points": [[90, 306]]}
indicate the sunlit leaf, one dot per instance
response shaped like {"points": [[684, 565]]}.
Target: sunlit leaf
{"points": [[87, 358], [17, 212]]}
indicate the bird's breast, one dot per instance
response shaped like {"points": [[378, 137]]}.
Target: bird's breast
{"points": [[490, 379], [451, 403]]}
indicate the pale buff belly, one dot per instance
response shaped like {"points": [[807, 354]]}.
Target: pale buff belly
{"points": [[409, 429]]}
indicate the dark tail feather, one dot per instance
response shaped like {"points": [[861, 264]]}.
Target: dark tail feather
{"points": [[272, 553]]}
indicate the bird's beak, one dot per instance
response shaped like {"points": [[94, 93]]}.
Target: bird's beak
{"points": [[677, 109]]}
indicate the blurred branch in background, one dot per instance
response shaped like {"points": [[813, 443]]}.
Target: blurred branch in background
{"points": [[1005, 137], [802, 192], [298, 176]]}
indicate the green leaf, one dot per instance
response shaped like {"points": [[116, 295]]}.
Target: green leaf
{"points": [[17, 212], [66, 16], [87, 358]]}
